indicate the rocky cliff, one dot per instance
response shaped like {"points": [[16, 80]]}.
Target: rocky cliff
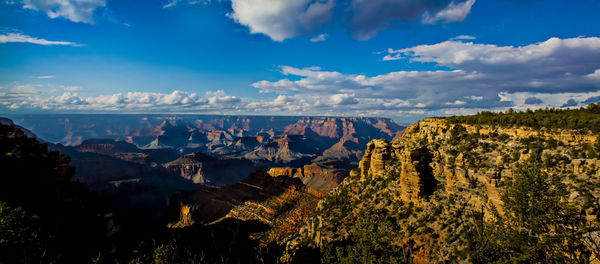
{"points": [[315, 176], [422, 186], [201, 168], [280, 202]]}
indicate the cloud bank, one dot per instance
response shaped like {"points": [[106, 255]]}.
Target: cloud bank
{"points": [[24, 97], [481, 76], [554, 73]]}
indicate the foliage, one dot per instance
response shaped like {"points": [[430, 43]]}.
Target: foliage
{"points": [[370, 243], [538, 223], [20, 236], [584, 118]]}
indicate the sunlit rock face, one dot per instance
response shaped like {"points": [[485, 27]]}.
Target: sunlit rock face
{"points": [[443, 170], [316, 176]]}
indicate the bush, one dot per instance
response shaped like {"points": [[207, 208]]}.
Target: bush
{"points": [[584, 118]]}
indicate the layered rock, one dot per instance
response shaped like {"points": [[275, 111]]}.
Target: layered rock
{"points": [[445, 170], [259, 197], [201, 168], [315, 176], [373, 163]]}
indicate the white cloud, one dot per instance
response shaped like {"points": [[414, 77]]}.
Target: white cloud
{"points": [[45, 77], [318, 38], [555, 73], [457, 102], [484, 77], [281, 20], [455, 11], [595, 75], [220, 98], [343, 99], [473, 56], [28, 97], [20, 38], [524, 100], [74, 10]]}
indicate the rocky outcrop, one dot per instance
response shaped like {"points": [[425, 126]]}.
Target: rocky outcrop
{"points": [[315, 176], [373, 163], [416, 174], [445, 171], [204, 169], [420, 165], [259, 197], [343, 150]]}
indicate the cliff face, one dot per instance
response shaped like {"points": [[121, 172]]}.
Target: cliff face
{"points": [[281, 202], [315, 176], [435, 173], [344, 127], [432, 152], [201, 168]]}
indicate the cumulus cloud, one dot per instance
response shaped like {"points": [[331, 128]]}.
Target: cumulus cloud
{"points": [[523, 100], [45, 77], [74, 10], [482, 76], [29, 97], [595, 75], [457, 102], [343, 99], [219, 97], [473, 56], [282, 19], [476, 77], [20, 38], [554, 64]]}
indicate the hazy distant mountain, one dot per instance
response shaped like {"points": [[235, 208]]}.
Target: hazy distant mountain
{"points": [[281, 140]]}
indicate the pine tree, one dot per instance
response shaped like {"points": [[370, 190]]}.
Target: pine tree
{"points": [[538, 223]]}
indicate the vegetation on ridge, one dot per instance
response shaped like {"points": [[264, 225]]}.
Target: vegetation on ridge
{"points": [[584, 118], [502, 195]]}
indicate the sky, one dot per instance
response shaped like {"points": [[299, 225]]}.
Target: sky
{"points": [[402, 59]]}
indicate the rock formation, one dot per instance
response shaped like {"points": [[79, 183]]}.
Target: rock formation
{"points": [[201, 168], [315, 176], [445, 170]]}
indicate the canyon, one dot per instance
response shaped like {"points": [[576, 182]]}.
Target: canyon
{"points": [[342, 190]]}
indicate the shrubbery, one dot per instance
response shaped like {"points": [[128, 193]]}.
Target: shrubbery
{"points": [[585, 118]]}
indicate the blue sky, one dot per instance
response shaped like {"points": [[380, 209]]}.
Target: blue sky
{"points": [[404, 59]]}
